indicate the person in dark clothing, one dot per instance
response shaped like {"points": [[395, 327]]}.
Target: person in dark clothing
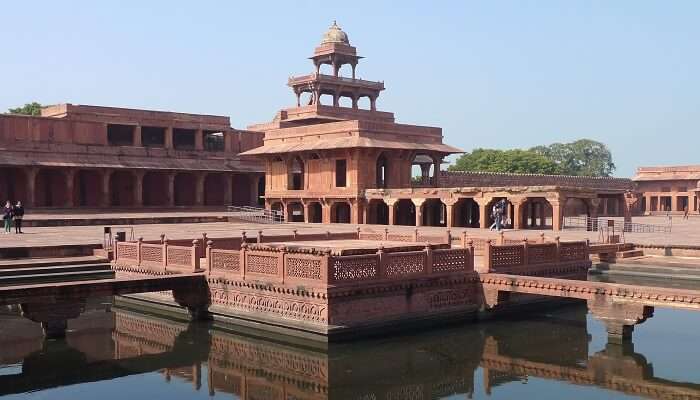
{"points": [[17, 216], [7, 216]]}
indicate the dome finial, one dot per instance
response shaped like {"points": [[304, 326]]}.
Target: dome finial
{"points": [[335, 35]]}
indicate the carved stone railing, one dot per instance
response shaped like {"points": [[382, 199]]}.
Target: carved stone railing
{"points": [[320, 269], [525, 257], [160, 258], [393, 266]]}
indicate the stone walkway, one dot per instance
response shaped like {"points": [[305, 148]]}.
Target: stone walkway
{"points": [[686, 232]]}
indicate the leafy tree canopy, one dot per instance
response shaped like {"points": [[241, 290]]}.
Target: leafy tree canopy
{"points": [[33, 108], [513, 161], [583, 157]]}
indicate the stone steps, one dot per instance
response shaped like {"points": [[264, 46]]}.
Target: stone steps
{"points": [[51, 270], [629, 253]]}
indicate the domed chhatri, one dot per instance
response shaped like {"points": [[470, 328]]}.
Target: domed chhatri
{"points": [[335, 35]]}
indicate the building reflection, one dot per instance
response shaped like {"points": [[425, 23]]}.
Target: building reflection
{"points": [[110, 343]]}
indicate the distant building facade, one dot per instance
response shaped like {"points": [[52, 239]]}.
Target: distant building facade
{"points": [[107, 157], [670, 189]]}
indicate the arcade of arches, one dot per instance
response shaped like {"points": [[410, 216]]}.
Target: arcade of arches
{"points": [[64, 187]]}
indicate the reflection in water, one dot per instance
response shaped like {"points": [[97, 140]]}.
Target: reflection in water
{"points": [[471, 361]]}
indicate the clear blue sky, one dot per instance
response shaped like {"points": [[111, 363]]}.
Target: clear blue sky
{"points": [[492, 73]]}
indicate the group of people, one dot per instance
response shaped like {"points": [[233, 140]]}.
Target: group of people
{"points": [[13, 213], [498, 213]]}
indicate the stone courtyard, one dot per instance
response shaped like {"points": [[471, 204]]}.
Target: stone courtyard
{"points": [[684, 232]]}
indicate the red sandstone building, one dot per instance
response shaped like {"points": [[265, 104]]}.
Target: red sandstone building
{"points": [[90, 156], [333, 158], [668, 189], [326, 162]]}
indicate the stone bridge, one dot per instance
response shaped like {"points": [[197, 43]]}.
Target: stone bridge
{"points": [[53, 304], [619, 307]]}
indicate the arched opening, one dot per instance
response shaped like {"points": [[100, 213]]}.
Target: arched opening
{"points": [[315, 212], [122, 188], [325, 69], [13, 185], [466, 213], [423, 170], [278, 208], [87, 188], [345, 101], [345, 70], [378, 212], [261, 191], [241, 190], [536, 213], [296, 174], [503, 207], [215, 190], [295, 212], [51, 188], [405, 213], [340, 213], [155, 189], [326, 99], [306, 98], [434, 213], [382, 172], [185, 186], [363, 103]]}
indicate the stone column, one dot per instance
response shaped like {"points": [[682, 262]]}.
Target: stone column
{"points": [[483, 203], [171, 188], [30, 172], [418, 203], [199, 188], [137, 136], [373, 103], [105, 200], [307, 210], [674, 202], [355, 208], [543, 215], [138, 188], [169, 137], [518, 213], [70, 188], [326, 212], [557, 215], [354, 102], [647, 205], [619, 318], [391, 210], [449, 211], [199, 140]]}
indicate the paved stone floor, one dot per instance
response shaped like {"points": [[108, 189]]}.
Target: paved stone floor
{"points": [[683, 232]]}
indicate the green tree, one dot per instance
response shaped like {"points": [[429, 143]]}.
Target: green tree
{"points": [[583, 157], [33, 108], [512, 161]]}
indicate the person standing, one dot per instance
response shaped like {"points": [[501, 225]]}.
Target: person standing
{"points": [[7, 216], [17, 215]]}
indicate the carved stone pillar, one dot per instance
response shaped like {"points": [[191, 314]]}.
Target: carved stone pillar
{"points": [[199, 140], [170, 178], [483, 203], [619, 318], [557, 214], [138, 188], [518, 213], [105, 199], [30, 172], [70, 187], [137, 136], [53, 316], [418, 203], [391, 203], [449, 211], [169, 137], [199, 188]]}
